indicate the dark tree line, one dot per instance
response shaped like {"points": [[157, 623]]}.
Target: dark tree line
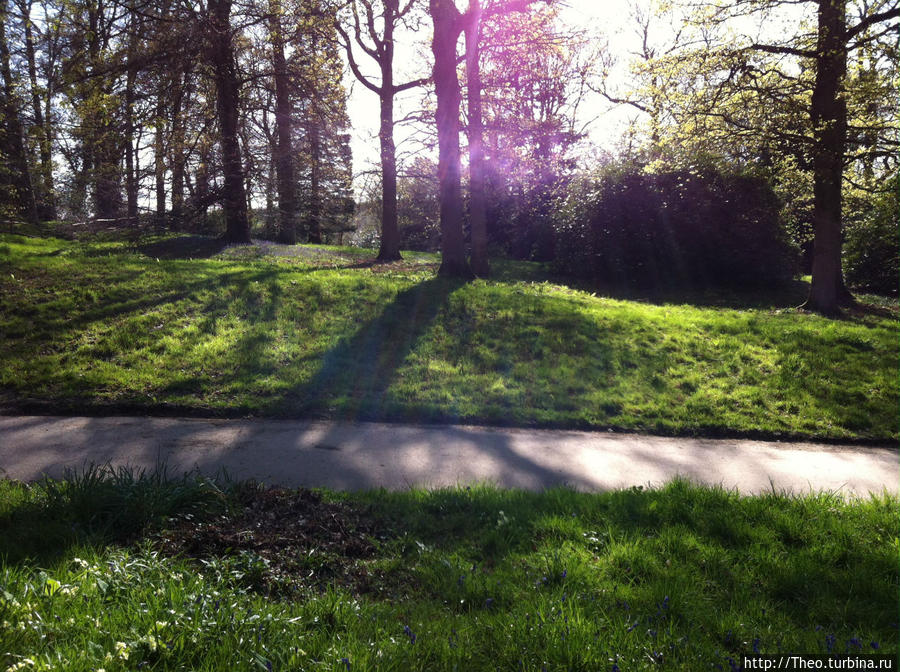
{"points": [[181, 109], [173, 110]]}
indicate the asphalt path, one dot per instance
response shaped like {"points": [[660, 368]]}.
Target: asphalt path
{"points": [[355, 456]]}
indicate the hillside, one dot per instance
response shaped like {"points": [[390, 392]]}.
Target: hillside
{"points": [[184, 326]]}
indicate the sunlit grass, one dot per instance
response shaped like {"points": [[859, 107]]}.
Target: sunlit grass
{"points": [[682, 578], [102, 326]]}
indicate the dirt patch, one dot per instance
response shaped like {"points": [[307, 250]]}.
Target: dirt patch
{"points": [[289, 540]]}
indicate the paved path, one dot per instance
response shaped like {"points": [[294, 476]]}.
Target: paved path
{"points": [[366, 455]]}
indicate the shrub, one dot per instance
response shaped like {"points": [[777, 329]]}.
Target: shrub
{"points": [[871, 246], [680, 228]]}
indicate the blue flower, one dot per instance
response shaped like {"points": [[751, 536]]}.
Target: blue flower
{"points": [[409, 633], [855, 643], [829, 642], [874, 645], [346, 661], [756, 645], [488, 603]]}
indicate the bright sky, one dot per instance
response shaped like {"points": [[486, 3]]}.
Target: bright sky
{"points": [[612, 21], [609, 18]]}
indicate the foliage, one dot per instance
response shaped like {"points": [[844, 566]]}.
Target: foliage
{"points": [[418, 206], [324, 155], [872, 245], [534, 70], [182, 325], [680, 578], [682, 228]]}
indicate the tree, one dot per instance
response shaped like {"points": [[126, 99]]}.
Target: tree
{"points": [[534, 71], [283, 158], [16, 171], [324, 156], [477, 206], [220, 51], [448, 24], [380, 47], [820, 89], [40, 130]]}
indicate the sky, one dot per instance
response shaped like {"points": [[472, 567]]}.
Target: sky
{"points": [[611, 21], [608, 19]]}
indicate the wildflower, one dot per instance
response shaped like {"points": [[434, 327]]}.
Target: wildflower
{"points": [[409, 633], [756, 645], [346, 661], [829, 642], [122, 650], [488, 603], [25, 662], [855, 643], [874, 645]]}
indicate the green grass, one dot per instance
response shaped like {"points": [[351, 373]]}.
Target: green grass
{"points": [[682, 578], [106, 326]]}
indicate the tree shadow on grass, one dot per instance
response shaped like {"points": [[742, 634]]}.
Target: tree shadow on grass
{"points": [[183, 247], [355, 374]]}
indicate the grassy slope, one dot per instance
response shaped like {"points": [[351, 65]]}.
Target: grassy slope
{"points": [[683, 578], [92, 326]]}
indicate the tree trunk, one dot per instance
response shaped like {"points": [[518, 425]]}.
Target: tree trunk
{"points": [[131, 180], [477, 207], [447, 26], [284, 156], [829, 118], [45, 198], [389, 249], [237, 223], [314, 223], [177, 149], [14, 146], [108, 172], [159, 150]]}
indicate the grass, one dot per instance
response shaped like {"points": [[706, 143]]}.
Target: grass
{"points": [[320, 332], [682, 578]]}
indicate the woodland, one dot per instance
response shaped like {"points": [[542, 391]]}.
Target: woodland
{"points": [[661, 217], [755, 152]]}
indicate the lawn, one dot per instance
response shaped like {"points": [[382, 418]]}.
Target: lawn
{"points": [[183, 326], [118, 571]]}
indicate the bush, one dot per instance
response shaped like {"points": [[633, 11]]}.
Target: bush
{"points": [[681, 228], [871, 246]]}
